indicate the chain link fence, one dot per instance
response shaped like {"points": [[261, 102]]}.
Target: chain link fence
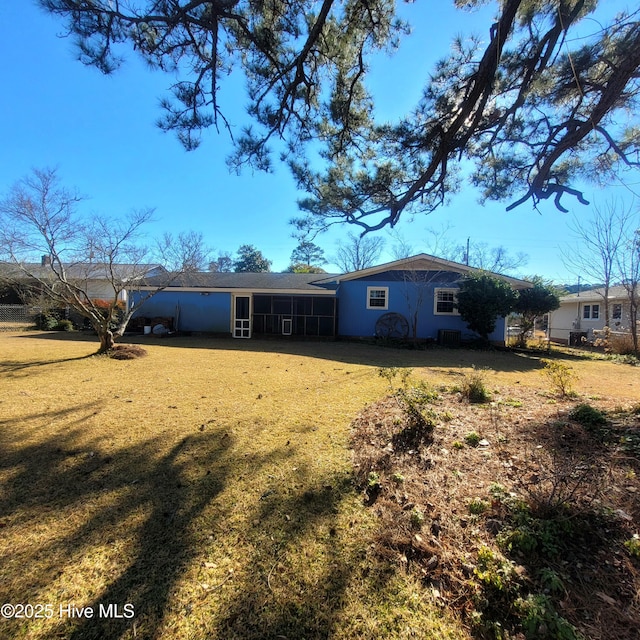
{"points": [[14, 317]]}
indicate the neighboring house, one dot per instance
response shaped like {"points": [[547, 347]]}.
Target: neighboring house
{"points": [[580, 314], [97, 280], [393, 300]]}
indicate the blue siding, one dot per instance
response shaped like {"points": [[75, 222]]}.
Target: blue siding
{"points": [[399, 275], [210, 312], [358, 321]]}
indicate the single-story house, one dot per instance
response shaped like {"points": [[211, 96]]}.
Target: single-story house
{"points": [[413, 297], [580, 314], [98, 280]]}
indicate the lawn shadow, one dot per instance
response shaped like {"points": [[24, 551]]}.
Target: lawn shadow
{"points": [[105, 528], [65, 499], [344, 351], [10, 367], [300, 575]]}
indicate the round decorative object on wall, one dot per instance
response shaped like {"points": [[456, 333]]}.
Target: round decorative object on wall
{"points": [[392, 325]]}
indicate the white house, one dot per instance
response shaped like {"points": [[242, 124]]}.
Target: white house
{"points": [[580, 314]]}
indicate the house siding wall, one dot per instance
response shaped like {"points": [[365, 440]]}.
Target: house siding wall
{"points": [[569, 318], [103, 290], [355, 320], [198, 312], [562, 322], [406, 290]]}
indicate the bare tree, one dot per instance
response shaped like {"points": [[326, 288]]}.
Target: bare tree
{"points": [[599, 242], [629, 267], [51, 250], [417, 286], [401, 247], [495, 259], [222, 264], [358, 252], [473, 254]]}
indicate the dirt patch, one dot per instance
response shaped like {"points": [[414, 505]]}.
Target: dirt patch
{"points": [[514, 514], [127, 352]]}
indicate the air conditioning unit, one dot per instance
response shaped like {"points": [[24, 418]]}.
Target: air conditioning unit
{"points": [[449, 337]]}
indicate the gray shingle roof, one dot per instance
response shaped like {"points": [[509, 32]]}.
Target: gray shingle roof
{"points": [[271, 281], [616, 292], [82, 271]]}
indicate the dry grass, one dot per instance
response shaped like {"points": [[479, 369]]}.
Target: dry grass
{"points": [[210, 485]]}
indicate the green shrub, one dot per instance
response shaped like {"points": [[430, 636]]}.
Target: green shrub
{"points": [[588, 416], [416, 517], [373, 480], [64, 325], [472, 439], [495, 571], [560, 377], [530, 535], [46, 321], [413, 398], [541, 620], [551, 581], [477, 506], [473, 387], [633, 546], [498, 492]]}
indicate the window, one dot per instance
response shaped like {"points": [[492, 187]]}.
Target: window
{"points": [[616, 311], [591, 311], [445, 302], [377, 297]]}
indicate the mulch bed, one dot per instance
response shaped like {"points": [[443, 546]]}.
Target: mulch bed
{"points": [[441, 501], [127, 352]]}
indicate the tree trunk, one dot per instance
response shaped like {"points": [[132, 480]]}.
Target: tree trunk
{"points": [[633, 313], [107, 340]]}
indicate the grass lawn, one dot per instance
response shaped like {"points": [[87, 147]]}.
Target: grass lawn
{"points": [[210, 486]]}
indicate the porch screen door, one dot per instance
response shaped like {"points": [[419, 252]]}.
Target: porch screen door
{"points": [[242, 317]]}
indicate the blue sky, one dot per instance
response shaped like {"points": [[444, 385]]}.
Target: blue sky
{"points": [[100, 132]]}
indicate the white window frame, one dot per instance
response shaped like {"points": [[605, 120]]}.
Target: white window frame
{"points": [[588, 311], [436, 293], [378, 307]]}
